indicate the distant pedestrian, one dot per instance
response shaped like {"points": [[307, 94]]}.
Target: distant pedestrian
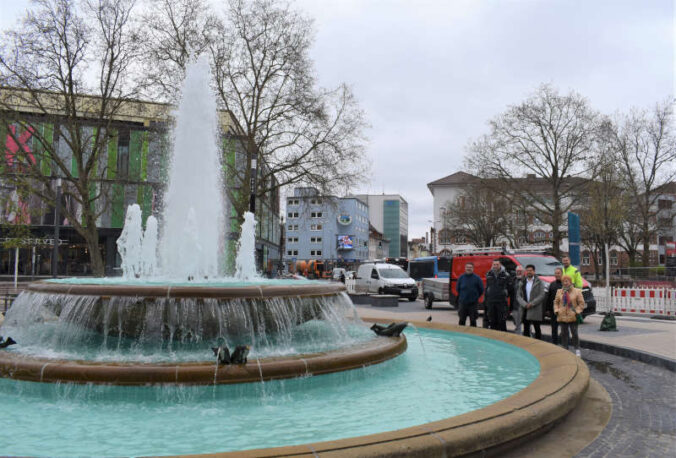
{"points": [[513, 303], [498, 289], [554, 287], [470, 288], [531, 296], [572, 272], [568, 304]]}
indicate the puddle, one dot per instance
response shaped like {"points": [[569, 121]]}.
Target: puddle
{"points": [[606, 367]]}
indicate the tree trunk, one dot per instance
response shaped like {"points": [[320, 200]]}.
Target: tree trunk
{"points": [[91, 236], [646, 248], [556, 235]]}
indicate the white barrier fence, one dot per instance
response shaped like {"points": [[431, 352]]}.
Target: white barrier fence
{"points": [[638, 301]]}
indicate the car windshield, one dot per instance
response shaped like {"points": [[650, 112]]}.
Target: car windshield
{"points": [[544, 265], [393, 273]]}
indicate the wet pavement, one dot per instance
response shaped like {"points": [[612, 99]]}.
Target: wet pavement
{"points": [[643, 420]]}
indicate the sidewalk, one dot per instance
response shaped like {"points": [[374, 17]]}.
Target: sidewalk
{"points": [[657, 337]]}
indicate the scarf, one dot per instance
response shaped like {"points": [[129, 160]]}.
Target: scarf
{"points": [[566, 298]]}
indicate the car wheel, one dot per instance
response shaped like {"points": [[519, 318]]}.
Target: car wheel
{"points": [[380, 291], [411, 299], [429, 300]]}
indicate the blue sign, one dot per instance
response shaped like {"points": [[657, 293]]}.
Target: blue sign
{"points": [[574, 238]]}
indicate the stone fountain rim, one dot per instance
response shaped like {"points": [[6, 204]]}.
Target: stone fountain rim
{"points": [[36, 369], [212, 292], [492, 430]]}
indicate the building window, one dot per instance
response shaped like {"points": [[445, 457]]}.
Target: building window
{"points": [[292, 252], [613, 258], [664, 204], [315, 227], [292, 239], [315, 252], [315, 240], [315, 201], [292, 214], [316, 214], [585, 258], [445, 237], [292, 227], [538, 236], [123, 153], [293, 202]]}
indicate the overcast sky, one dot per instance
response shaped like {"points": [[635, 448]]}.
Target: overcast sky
{"points": [[430, 74]]}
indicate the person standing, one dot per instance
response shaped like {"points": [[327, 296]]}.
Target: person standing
{"points": [[513, 303], [498, 289], [531, 296], [568, 304], [572, 272], [554, 287], [470, 288]]}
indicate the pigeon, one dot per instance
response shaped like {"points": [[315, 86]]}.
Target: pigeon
{"points": [[429, 318], [239, 355]]}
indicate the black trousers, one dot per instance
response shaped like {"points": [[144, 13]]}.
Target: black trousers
{"points": [[536, 326], [555, 329], [467, 310], [497, 316]]}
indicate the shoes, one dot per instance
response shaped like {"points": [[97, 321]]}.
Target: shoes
{"points": [[578, 354]]}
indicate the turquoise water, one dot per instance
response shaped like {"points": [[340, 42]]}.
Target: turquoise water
{"points": [[214, 282], [447, 375]]}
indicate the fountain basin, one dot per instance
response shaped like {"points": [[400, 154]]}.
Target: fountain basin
{"points": [[21, 367], [179, 312]]}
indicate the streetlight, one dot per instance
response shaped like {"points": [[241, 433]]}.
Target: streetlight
{"points": [[254, 170], [57, 210]]}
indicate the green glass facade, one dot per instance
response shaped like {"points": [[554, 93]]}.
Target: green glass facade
{"points": [[391, 225]]}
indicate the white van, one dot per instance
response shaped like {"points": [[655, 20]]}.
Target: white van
{"points": [[384, 278]]}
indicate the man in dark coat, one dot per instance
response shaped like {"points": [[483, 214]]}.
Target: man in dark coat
{"points": [[498, 289], [551, 295], [470, 288]]}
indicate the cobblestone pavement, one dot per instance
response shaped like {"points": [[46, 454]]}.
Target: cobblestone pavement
{"points": [[643, 421]]}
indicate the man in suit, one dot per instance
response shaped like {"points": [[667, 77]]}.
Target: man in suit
{"points": [[531, 297]]}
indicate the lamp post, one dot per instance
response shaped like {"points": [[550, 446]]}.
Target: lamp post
{"points": [[254, 173], [57, 211]]}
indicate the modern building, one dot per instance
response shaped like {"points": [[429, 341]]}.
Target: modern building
{"points": [[325, 227], [379, 246], [132, 169], [388, 214]]}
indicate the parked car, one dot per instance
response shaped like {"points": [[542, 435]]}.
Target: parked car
{"points": [[482, 260], [385, 278], [337, 272]]}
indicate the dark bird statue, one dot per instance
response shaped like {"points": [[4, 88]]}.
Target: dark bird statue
{"points": [[392, 330], [6, 343], [429, 318], [222, 354], [239, 355]]}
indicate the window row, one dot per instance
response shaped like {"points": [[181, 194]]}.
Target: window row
{"points": [[312, 239]]}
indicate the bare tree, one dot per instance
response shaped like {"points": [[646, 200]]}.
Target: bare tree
{"points": [[646, 145], [301, 134], [604, 210], [68, 61], [174, 32], [549, 136], [478, 214]]}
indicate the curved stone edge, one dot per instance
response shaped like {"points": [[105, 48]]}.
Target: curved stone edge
{"points": [[212, 292], [562, 382], [20, 367]]}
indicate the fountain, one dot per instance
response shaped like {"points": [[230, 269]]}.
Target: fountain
{"points": [[135, 352], [174, 301]]}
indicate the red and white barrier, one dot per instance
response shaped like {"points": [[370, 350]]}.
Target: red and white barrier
{"points": [[639, 301]]}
